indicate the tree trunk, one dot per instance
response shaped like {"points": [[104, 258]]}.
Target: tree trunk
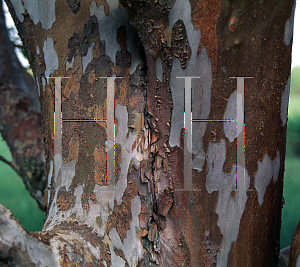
{"points": [[173, 119]]}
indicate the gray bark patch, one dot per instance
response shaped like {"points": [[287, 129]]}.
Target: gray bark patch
{"points": [[158, 69], [131, 245], [234, 111], [266, 170], [198, 66], [19, 9], [201, 96], [87, 58], [69, 65], [50, 57], [107, 27], [229, 209], [298, 261], [289, 27], [181, 10], [285, 102], [50, 174], [41, 11]]}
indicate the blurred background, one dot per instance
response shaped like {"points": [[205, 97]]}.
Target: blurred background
{"points": [[15, 197]]}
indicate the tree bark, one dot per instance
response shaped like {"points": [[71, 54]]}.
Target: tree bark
{"points": [[180, 190], [20, 119]]}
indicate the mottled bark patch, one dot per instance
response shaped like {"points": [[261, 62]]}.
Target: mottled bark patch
{"points": [[74, 148], [80, 42], [85, 200], [120, 217], [74, 5], [94, 253], [73, 43], [65, 200], [150, 22], [185, 251], [100, 165], [180, 44]]}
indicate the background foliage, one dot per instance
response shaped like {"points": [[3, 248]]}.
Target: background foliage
{"points": [[291, 189], [14, 196]]}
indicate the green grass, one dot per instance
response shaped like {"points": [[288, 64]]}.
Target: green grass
{"points": [[15, 197]]}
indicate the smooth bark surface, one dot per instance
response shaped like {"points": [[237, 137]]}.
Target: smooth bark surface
{"points": [[140, 215]]}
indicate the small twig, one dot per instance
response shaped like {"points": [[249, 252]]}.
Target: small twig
{"points": [[7, 162]]}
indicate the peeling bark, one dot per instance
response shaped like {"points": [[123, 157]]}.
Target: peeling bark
{"points": [[140, 216]]}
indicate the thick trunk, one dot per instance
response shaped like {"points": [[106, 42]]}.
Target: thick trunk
{"points": [[152, 168]]}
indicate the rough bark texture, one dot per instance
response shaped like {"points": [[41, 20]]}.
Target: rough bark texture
{"points": [[20, 119], [145, 219]]}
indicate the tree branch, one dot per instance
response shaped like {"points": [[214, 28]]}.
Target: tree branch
{"points": [[20, 118], [18, 248], [7, 162], [48, 248]]}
